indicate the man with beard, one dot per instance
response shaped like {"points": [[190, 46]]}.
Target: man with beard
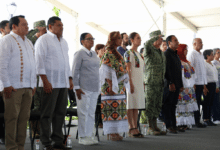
{"points": [[4, 29], [173, 76], [122, 49]]}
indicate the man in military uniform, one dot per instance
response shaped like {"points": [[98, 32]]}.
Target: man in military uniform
{"points": [[39, 29], [33, 35], [154, 73]]}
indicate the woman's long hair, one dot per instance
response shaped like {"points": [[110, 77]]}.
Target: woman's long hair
{"points": [[111, 44]]}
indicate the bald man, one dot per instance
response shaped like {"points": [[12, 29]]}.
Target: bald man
{"points": [[197, 61]]}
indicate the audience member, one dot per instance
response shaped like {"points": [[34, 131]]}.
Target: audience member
{"points": [[154, 72], [37, 96], [86, 80], [196, 59], [17, 53], [4, 30], [122, 48], [212, 86], [114, 79], [216, 103], [135, 98], [174, 83], [52, 63], [187, 98]]}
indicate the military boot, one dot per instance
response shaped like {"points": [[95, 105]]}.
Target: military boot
{"points": [[156, 128], [151, 130]]}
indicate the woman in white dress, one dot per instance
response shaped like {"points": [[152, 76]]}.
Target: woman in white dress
{"points": [[135, 98]]}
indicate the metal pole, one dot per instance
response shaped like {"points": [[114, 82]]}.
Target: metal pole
{"points": [[150, 15]]}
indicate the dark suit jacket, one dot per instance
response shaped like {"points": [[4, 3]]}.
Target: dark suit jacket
{"points": [[173, 68]]}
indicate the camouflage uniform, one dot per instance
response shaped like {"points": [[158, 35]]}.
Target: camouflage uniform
{"points": [[37, 96], [32, 33], [154, 73]]}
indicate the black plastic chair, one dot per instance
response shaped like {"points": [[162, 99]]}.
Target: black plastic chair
{"points": [[34, 116]]}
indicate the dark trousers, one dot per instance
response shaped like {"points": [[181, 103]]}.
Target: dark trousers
{"points": [[165, 94], [199, 93], [216, 107], [98, 118], [2, 122], [169, 108], [208, 100], [53, 110]]}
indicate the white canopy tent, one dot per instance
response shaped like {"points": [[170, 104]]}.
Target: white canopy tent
{"points": [[184, 18]]}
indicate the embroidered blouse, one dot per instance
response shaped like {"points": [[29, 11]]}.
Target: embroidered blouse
{"points": [[17, 63], [127, 58]]}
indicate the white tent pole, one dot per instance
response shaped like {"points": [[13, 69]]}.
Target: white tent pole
{"points": [[150, 15], [182, 19], [150, 28], [164, 18], [77, 32]]}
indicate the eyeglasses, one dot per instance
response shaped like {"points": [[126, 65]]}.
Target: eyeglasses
{"points": [[90, 39]]}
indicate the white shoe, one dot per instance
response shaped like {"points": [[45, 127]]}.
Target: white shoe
{"points": [[85, 141], [95, 141], [216, 122]]}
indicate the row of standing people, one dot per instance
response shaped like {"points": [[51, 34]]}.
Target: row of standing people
{"points": [[115, 76]]}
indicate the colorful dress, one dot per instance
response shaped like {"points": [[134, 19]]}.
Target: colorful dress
{"points": [[113, 107], [187, 103], [136, 100]]}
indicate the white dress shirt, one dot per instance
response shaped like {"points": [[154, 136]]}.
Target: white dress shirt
{"points": [[17, 62], [212, 73], [197, 61], [52, 60]]}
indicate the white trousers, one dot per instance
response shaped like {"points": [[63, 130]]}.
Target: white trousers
{"points": [[86, 112]]}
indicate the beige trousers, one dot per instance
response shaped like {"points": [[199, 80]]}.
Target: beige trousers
{"points": [[17, 113]]}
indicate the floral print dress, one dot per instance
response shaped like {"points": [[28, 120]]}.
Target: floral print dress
{"points": [[113, 107], [187, 103]]}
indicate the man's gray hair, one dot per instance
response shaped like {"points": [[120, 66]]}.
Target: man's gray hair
{"points": [[215, 50]]}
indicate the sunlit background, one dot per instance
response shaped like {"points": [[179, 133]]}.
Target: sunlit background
{"points": [[117, 15]]}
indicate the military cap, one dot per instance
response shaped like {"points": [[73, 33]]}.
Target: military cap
{"points": [[156, 33], [40, 23]]}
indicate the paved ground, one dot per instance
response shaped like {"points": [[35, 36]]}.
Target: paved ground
{"points": [[194, 139]]}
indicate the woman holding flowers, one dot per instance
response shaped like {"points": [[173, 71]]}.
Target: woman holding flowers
{"points": [[114, 80], [187, 99]]}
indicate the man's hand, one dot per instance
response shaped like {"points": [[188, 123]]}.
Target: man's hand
{"points": [[71, 84], [131, 87], [217, 90], [78, 93], [205, 90], [47, 87], [172, 87], [8, 91], [181, 89], [33, 91]]}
